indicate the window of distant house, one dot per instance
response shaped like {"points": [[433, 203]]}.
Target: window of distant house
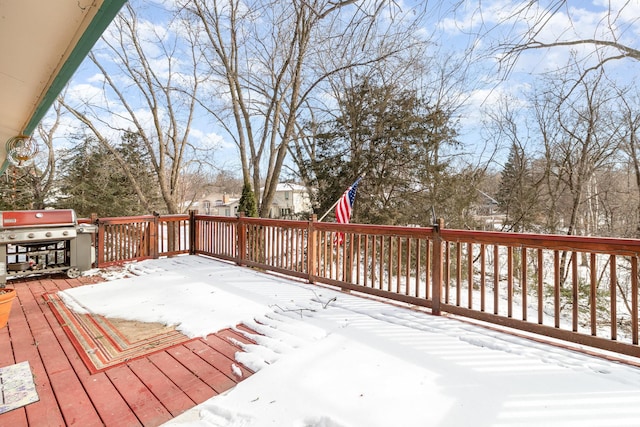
{"points": [[286, 195], [285, 212], [227, 212], [206, 205]]}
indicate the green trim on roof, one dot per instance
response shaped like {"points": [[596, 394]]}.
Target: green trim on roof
{"points": [[99, 24]]}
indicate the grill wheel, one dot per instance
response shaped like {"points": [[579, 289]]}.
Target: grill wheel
{"points": [[73, 273]]}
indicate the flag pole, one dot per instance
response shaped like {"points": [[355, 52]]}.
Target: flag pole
{"points": [[330, 209], [338, 201]]}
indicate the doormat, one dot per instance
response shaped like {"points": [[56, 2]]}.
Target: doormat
{"points": [[17, 388], [103, 342]]}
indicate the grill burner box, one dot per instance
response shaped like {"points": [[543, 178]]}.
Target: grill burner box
{"points": [[44, 241]]}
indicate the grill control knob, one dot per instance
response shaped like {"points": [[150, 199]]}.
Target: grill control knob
{"points": [[48, 234], [65, 233], [31, 235], [12, 236]]}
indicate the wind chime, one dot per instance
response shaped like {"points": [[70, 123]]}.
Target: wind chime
{"points": [[20, 151]]}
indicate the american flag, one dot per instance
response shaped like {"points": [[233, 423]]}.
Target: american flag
{"points": [[345, 207]]}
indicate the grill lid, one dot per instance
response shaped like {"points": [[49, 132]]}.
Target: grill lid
{"points": [[37, 218]]}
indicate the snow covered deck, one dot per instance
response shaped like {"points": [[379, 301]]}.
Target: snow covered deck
{"points": [[321, 358], [147, 391]]}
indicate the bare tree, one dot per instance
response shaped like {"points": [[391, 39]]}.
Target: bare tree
{"points": [[579, 138], [43, 173], [518, 195], [630, 116], [534, 26], [29, 184], [268, 59], [150, 83]]}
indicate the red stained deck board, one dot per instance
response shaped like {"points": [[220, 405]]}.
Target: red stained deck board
{"points": [[217, 359], [112, 408], [6, 351], [222, 344], [16, 417], [142, 402], [209, 374], [113, 397], [241, 333], [240, 336], [109, 404], [191, 385], [75, 405], [171, 397], [45, 412]]}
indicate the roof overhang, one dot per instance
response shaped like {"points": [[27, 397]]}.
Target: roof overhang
{"points": [[42, 43]]}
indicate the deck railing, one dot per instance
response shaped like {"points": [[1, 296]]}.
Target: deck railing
{"points": [[137, 238], [578, 289]]}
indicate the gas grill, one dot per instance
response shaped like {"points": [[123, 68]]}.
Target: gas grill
{"points": [[44, 241]]}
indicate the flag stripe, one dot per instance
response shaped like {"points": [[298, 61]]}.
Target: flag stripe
{"points": [[345, 207]]}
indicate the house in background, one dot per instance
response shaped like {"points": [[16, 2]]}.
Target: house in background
{"points": [[218, 203], [291, 201], [486, 211]]}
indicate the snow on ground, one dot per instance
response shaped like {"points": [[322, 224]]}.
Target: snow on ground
{"points": [[331, 359]]}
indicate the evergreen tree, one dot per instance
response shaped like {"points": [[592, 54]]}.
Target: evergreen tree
{"points": [[395, 138], [16, 191], [247, 203], [92, 182], [517, 196]]}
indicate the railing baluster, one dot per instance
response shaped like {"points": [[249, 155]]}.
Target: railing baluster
{"points": [[593, 290], [496, 278], [613, 282], [509, 281], [540, 273], [469, 275], [482, 277], [556, 288], [523, 282], [574, 291], [634, 299], [458, 274]]}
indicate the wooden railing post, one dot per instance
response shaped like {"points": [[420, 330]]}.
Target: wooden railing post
{"points": [[437, 267], [312, 239], [100, 246], [93, 219], [242, 239], [153, 236], [192, 232]]}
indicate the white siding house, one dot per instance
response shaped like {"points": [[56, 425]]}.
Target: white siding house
{"points": [[217, 204], [291, 201]]}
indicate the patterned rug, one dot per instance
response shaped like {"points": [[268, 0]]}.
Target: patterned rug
{"points": [[102, 342]]}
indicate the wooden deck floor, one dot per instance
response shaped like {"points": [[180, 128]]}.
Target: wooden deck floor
{"points": [[144, 392]]}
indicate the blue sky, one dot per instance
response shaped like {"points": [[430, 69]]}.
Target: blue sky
{"points": [[453, 27]]}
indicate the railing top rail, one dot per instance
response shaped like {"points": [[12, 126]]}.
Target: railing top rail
{"points": [[546, 241], [387, 230], [166, 217], [126, 219], [286, 223], [203, 217]]}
